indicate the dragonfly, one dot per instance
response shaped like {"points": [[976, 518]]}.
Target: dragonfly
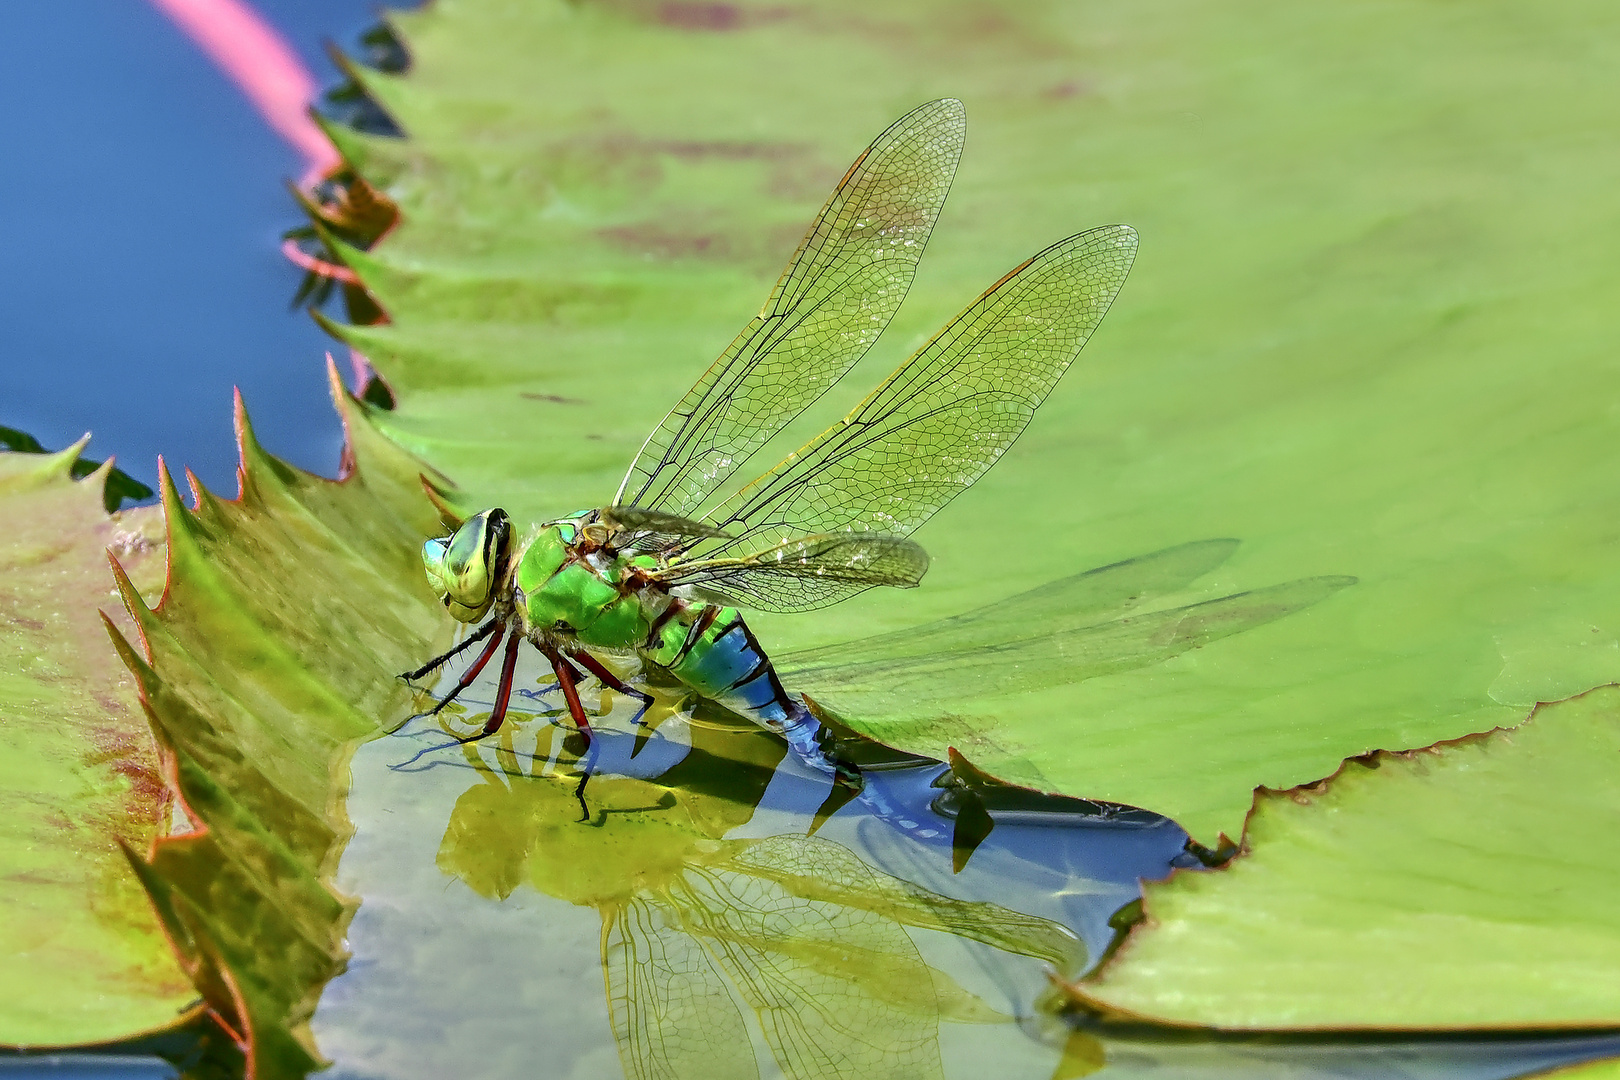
{"points": [[661, 574]]}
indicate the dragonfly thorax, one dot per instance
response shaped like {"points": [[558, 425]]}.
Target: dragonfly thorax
{"points": [[570, 581]]}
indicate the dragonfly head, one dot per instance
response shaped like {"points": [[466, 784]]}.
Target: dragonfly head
{"points": [[464, 567]]}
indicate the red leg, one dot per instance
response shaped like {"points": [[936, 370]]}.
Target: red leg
{"points": [[472, 672], [565, 679], [605, 676], [503, 694]]}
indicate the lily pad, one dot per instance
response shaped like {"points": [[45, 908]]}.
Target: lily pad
{"points": [[1469, 885], [285, 616], [79, 773], [1366, 335], [117, 486], [953, 684], [1597, 1070]]}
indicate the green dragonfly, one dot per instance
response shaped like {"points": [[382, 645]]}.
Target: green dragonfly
{"points": [[654, 574]]}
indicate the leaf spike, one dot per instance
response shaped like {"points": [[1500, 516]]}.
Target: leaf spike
{"points": [[134, 604], [344, 402], [365, 78], [350, 144], [448, 513], [301, 197], [179, 526], [161, 894], [202, 498], [139, 666], [356, 260], [98, 476], [336, 248], [248, 451], [331, 326], [60, 464], [168, 494]]}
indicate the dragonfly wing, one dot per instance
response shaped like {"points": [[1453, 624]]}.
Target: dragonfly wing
{"points": [[915, 687], [653, 532], [838, 293], [839, 991], [1082, 599], [935, 425], [672, 1015], [830, 872], [806, 572], [634, 519]]}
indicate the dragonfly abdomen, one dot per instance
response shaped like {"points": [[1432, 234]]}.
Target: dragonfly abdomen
{"points": [[711, 649]]}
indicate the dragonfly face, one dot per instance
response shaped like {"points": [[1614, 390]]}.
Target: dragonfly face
{"points": [[465, 567]]}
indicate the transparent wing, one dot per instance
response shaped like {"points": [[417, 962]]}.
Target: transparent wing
{"points": [[838, 293], [935, 425], [672, 1015], [807, 571], [839, 991], [639, 530], [1083, 599], [633, 519], [905, 687], [831, 872]]}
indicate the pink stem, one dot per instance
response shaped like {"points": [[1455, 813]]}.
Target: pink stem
{"points": [[319, 267]]}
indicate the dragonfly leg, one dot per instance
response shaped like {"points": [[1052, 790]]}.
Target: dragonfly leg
{"points": [[503, 694], [605, 676], [566, 676], [466, 680], [477, 635]]}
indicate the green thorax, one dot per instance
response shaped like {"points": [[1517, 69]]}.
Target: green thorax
{"points": [[562, 584]]}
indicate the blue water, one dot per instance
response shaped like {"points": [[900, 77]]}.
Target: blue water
{"points": [[140, 216]]}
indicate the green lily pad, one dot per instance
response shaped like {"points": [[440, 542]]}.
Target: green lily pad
{"points": [[1597, 1070], [285, 616], [1468, 885], [116, 484], [1366, 335], [79, 773], [953, 684]]}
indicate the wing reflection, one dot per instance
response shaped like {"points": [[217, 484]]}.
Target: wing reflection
{"points": [[701, 935]]}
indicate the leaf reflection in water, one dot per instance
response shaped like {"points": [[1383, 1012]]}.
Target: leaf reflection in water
{"points": [[797, 928]]}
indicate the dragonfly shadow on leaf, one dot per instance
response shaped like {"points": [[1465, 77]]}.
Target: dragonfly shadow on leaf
{"points": [[936, 679]]}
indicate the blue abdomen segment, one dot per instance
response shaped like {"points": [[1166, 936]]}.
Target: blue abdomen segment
{"points": [[711, 649], [719, 657], [726, 662]]}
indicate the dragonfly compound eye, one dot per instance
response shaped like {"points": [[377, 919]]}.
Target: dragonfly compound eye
{"points": [[464, 568]]}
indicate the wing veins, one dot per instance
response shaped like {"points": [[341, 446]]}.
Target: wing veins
{"points": [[874, 226], [690, 432], [1038, 323]]}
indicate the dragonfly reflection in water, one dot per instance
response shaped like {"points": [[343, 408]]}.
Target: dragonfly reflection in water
{"points": [[701, 928], [702, 933]]}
